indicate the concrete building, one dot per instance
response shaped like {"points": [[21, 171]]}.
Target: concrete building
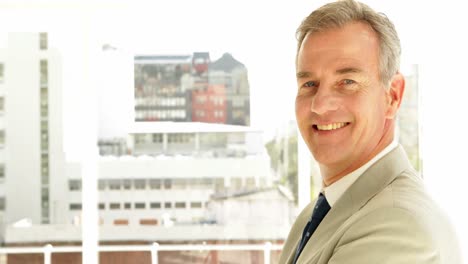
{"points": [[156, 180], [33, 183], [159, 91], [171, 172], [191, 88], [232, 74]]}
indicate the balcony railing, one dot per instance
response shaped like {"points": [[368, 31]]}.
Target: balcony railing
{"points": [[154, 249]]}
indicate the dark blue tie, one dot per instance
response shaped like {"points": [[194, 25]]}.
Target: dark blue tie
{"points": [[320, 211]]}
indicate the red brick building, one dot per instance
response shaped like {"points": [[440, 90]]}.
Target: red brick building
{"points": [[209, 105]]}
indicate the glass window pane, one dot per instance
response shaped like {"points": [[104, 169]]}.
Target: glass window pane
{"points": [[140, 205], [114, 184], [127, 184], [155, 205], [74, 185], [2, 203], [2, 72], [140, 184], [114, 206], [43, 41], [180, 205]]}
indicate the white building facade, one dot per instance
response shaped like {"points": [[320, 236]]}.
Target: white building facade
{"points": [[33, 183], [171, 172]]}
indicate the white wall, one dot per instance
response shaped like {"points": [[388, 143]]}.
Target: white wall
{"points": [[22, 142]]}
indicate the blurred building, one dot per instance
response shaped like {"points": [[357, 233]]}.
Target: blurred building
{"points": [[191, 88], [160, 94], [32, 178], [171, 171], [409, 127], [188, 151], [232, 74]]}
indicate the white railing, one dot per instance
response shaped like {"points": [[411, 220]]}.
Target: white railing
{"points": [[154, 248]]}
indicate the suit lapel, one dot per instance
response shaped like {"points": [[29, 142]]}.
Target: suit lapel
{"points": [[370, 183], [300, 224]]}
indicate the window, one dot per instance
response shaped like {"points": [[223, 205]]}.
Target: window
{"points": [[121, 222], [195, 205], [148, 222], [44, 143], [44, 176], [127, 205], [180, 205], [200, 113], [127, 184], [2, 172], [140, 138], [114, 185], [44, 109], [180, 138], [155, 184], [179, 184], [43, 41], [238, 102], [167, 184], [2, 137], [74, 185], [45, 197], [250, 182], [114, 206], [101, 206], [155, 205], [102, 185], [201, 99], [44, 73], [140, 184], [2, 203], [219, 184], [200, 183], [1, 72], [44, 127], [167, 205], [2, 103], [75, 206], [140, 205], [157, 138], [236, 183]]}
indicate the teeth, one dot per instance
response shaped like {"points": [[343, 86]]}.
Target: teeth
{"points": [[331, 126]]}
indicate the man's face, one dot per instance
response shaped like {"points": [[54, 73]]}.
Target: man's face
{"points": [[341, 104]]}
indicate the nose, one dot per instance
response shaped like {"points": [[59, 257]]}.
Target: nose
{"points": [[324, 101]]}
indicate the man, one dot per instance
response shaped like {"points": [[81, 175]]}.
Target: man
{"points": [[373, 207]]}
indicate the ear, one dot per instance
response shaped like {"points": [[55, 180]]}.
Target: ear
{"points": [[394, 95]]}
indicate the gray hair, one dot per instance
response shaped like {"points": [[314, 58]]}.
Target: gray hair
{"points": [[337, 14]]}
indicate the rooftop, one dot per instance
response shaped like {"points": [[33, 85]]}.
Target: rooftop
{"points": [[187, 127]]}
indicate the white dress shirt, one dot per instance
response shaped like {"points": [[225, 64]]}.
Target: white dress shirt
{"points": [[333, 192]]}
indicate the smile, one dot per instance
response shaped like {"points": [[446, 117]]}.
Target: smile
{"points": [[331, 126]]}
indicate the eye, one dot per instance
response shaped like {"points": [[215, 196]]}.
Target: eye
{"points": [[310, 84], [347, 82]]}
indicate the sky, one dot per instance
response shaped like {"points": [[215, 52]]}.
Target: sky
{"points": [[261, 35]]}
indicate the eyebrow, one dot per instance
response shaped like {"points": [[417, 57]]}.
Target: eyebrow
{"points": [[306, 74], [348, 70], [301, 75]]}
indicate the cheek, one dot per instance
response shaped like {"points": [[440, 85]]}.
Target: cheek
{"points": [[302, 108]]}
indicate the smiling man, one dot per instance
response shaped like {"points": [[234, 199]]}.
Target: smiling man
{"points": [[373, 207]]}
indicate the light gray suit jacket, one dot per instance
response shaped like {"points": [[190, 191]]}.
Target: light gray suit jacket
{"points": [[386, 216]]}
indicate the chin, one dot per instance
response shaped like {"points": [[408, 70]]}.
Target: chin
{"points": [[328, 157]]}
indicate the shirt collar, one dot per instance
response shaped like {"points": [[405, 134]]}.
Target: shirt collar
{"points": [[334, 191]]}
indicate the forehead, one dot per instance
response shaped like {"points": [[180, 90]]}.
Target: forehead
{"points": [[353, 43]]}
